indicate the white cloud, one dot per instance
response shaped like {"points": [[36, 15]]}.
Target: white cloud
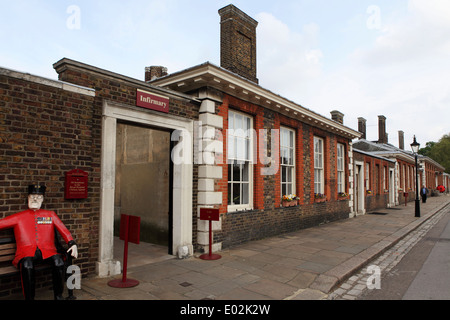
{"points": [[403, 74], [287, 59]]}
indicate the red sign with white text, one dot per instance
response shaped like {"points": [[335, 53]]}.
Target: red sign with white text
{"points": [[152, 101]]}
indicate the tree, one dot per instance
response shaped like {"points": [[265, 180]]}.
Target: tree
{"points": [[425, 151], [439, 151]]}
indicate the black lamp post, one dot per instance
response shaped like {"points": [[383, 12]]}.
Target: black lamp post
{"points": [[415, 148]]}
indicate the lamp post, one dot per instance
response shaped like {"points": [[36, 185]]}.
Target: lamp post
{"points": [[415, 148]]}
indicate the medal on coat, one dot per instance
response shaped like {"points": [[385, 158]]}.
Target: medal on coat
{"points": [[44, 220]]}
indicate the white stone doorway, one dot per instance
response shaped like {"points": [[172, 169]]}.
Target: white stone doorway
{"points": [[359, 189], [181, 184]]}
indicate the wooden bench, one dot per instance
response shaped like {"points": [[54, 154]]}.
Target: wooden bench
{"points": [[7, 254]]}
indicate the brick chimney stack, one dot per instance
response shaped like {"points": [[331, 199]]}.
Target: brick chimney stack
{"points": [[154, 72], [238, 42], [382, 135], [337, 116], [362, 127], [401, 140]]}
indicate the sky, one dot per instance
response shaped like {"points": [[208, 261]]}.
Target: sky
{"points": [[364, 58]]}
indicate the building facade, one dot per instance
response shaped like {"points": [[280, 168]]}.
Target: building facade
{"points": [[164, 147], [430, 173], [261, 147]]}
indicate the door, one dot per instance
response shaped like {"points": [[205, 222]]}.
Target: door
{"points": [[143, 184]]}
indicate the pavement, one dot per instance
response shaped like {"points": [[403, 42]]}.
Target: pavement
{"points": [[304, 265]]}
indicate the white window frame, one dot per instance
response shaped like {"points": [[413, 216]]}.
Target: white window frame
{"points": [[367, 176], [319, 170], [287, 147], [340, 168], [240, 153]]}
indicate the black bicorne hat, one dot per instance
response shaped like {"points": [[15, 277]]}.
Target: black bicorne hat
{"points": [[36, 189]]}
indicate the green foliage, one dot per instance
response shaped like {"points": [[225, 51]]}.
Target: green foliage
{"points": [[439, 151]]}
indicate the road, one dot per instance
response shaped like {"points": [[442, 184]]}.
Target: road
{"points": [[424, 272], [417, 268]]}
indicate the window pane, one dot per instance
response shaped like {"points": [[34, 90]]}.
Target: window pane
{"points": [[240, 151], [231, 147], [245, 197], [236, 172], [238, 121], [231, 121], [289, 189], [245, 172], [236, 194]]}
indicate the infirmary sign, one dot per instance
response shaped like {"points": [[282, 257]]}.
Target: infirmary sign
{"points": [[152, 101]]}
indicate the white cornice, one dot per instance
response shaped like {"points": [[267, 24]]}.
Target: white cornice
{"points": [[208, 74]]}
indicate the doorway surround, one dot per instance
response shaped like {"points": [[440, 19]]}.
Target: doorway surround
{"points": [[359, 188], [182, 178]]}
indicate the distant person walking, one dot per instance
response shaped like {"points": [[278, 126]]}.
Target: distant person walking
{"points": [[423, 193]]}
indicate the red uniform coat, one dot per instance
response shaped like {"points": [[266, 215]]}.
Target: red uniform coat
{"points": [[35, 229]]}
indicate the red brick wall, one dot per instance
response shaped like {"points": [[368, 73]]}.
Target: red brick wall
{"points": [[268, 217]]}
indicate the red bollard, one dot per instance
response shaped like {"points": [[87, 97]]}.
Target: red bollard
{"points": [[129, 231], [210, 215]]}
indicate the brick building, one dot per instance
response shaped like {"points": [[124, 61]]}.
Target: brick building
{"points": [[259, 146], [207, 136], [93, 122], [431, 173], [375, 182]]}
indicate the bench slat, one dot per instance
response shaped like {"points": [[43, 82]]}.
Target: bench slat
{"points": [[7, 252], [7, 258], [7, 246], [8, 270]]}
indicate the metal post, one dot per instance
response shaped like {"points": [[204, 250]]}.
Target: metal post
{"points": [[125, 250], [417, 191]]}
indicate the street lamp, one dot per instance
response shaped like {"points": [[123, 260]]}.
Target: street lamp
{"points": [[415, 148]]}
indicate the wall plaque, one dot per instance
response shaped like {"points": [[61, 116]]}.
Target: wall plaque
{"points": [[152, 101], [76, 186]]}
